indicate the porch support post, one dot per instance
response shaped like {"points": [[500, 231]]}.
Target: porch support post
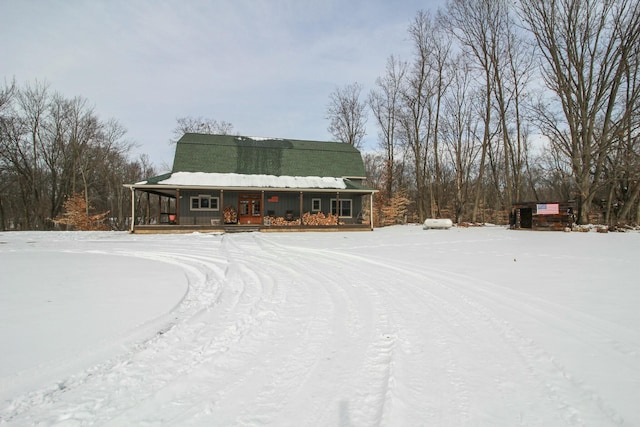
{"points": [[133, 209], [159, 209], [337, 208], [177, 206], [221, 207], [262, 211], [301, 208], [371, 210], [147, 218]]}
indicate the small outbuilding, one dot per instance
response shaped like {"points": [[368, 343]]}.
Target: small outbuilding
{"points": [[230, 182], [556, 216]]}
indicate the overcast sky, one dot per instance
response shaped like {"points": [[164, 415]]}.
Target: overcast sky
{"points": [[267, 67]]}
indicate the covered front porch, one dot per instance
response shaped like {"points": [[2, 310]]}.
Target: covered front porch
{"points": [[162, 209]]}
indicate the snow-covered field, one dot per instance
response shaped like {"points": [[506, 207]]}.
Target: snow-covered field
{"points": [[396, 327]]}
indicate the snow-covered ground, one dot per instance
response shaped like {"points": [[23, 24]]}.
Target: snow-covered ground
{"points": [[396, 327]]}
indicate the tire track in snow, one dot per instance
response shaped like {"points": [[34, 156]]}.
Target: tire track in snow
{"points": [[264, 372], [317, 341], [574, 401], [373, 393], [257, 300], [569, 392], [475, 325], [225, 355], [104, 385], [320, 334]]}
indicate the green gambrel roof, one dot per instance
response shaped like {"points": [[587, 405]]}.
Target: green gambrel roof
{"points": [[279, 157]]}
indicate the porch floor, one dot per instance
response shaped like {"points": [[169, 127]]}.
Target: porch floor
{"points": [[237, 228]]}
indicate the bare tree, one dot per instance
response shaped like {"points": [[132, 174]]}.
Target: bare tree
{"points": [[467, 19], [628, 181], [414, 117], [347, 115], [49, 146], [7, 94], [441, 79], [425, 85], [384, 103], [200, 125], [512, 65], [587, 47], [22, 148], [459, 134]]}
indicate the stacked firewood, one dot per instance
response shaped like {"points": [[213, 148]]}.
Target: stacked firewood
{"points": [[307, 219], [230, 215], [319, 219], [280, 221]]}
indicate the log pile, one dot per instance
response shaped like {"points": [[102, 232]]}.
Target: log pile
{"points": [[280, 221], [319, 219], [307, 219], [230, 215]]}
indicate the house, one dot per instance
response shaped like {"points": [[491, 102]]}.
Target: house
{"points": [[542, 215], [228, 182]]}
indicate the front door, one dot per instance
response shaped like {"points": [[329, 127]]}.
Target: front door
{"points": [[250, 209]]}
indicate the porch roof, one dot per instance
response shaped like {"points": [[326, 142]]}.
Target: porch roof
{"points": [[250, 180], [233, 181]]}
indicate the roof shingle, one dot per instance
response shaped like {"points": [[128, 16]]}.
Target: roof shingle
{"points": [[279, 157]]}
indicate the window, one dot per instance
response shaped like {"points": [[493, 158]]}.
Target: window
{"points": [[316, 205], [204, 202], [255, 207], [345, 208], [244, 207]]}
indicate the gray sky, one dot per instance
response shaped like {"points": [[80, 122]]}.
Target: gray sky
{"points": [[267, 67]]}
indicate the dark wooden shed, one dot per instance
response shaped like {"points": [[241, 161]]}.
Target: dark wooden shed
{"points": [[556, 216]]}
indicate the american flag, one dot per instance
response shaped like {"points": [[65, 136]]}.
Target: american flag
{"points": [[547, 209]]}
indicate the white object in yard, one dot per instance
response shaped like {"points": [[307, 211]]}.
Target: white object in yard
{"points": [[440, 223]]}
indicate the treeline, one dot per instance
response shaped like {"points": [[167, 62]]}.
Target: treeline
{"points": [[535, 100], [53, 148], [502, 102]]}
